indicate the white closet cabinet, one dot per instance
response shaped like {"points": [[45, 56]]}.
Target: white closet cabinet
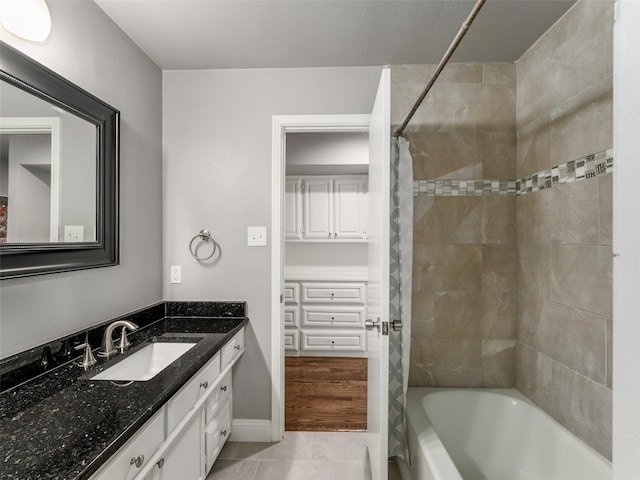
{"points": [[331, 318], [326, 208]]}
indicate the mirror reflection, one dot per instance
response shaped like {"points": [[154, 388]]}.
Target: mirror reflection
{"points": [[47, 172]]}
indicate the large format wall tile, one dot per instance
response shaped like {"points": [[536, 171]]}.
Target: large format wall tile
{"points": [[564, 112], [605, 209], [446, 267], [580, 404], [534, 270], [573, 337], [499, 268], [447, 362], [581, 277]]}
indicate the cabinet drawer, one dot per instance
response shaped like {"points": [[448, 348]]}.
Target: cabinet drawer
{"points": [[334, 341], [142, 445], [232, 348], [217, 432], [218, 397], [185, 399], [292, 293], [291, 340], [291, 315], [333, 293], [321, 316]]}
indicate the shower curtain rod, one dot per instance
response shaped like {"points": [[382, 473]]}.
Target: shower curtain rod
{"points": [[445, 59]]}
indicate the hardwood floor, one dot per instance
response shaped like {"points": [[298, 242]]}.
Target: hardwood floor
{"points": [[327, 394]]}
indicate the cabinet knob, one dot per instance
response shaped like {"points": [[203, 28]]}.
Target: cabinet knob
{"points": [[137, 461], [223, 388], [237, 347], [333, 342], [160, 463], [204, 384], [224, 433]]}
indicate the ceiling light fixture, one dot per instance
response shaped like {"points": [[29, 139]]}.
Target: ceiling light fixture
{"points": [[27, 19]]}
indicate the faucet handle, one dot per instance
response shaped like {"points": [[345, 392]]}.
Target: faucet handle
{"points": [[89, 360], [124, 342]]}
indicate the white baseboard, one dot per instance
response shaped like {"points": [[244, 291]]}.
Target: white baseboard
{"points": [[250, 430]]}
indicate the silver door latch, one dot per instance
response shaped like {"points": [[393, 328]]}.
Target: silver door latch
{"points": [[371, 324]]}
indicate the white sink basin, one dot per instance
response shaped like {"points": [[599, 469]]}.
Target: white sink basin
{"points": [[146, 363]]}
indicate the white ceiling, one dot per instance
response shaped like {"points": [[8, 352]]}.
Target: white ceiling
{"points": [[218, 34]]}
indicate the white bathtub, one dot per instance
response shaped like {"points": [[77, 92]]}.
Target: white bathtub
{"points": [[473, 434]]}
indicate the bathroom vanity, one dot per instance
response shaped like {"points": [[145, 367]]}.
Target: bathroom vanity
{"points": [[66, 424]]}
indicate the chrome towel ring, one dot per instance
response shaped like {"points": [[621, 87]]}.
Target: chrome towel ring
{"points": [[206, 237]]}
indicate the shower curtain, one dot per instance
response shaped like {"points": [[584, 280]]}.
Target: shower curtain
{"points": [[401, 259]]}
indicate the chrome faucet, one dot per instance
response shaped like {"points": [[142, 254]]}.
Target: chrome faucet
{"points": [[107, 349]]}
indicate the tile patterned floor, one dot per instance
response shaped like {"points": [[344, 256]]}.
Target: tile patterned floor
{"points": [[299, 456]]}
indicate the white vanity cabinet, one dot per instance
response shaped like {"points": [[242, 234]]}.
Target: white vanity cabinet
{"points": [[331, 317], [183, 439], [183, 458], [319, 208], [136, 453]]}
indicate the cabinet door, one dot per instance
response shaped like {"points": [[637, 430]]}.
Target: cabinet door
{"points": [[293, 209], [140, 447], [184, 459], [349, 207], [318, 208]]}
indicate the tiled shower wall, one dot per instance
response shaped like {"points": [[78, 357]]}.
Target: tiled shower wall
{"points": [[564, 111], [464, 273], [517, 290]]}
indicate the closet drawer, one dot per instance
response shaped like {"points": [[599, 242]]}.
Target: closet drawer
{"points": [[219, 396], [142, 446], [185, 399], [292, 340], [291, 314], [217, 432], [341, 292], [334, 341], [292, 293], [321, 316], [232, 349]]}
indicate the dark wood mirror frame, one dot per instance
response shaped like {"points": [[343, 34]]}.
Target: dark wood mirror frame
{"points": [[21, 260]]}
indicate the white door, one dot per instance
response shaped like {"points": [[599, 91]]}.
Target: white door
{"points": [[378, 289]]}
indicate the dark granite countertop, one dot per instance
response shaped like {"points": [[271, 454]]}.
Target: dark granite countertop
{"points": [[62, 425]]}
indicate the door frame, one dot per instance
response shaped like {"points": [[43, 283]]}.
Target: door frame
{"points": [[281, 125]]}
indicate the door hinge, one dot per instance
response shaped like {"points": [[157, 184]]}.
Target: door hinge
{"points": [[281, 298]]}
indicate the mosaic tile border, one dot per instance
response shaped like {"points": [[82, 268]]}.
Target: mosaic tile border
{"points": [[584, 168]]}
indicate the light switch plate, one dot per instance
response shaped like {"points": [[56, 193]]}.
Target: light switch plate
{"points": [[257, 236]]}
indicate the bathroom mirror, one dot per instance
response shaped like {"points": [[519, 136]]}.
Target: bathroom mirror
{"points": [[58, 172]]}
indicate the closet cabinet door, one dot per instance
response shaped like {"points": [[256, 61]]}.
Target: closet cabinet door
{"points": [[293, 209], [349, 208], [318, 208]]}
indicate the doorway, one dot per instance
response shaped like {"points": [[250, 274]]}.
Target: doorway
{"points": [[326, 263], [283, 126]]}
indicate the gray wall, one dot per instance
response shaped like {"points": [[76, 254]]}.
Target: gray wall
{"points": [[89, 50], [564, 111], [217, 174]]}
